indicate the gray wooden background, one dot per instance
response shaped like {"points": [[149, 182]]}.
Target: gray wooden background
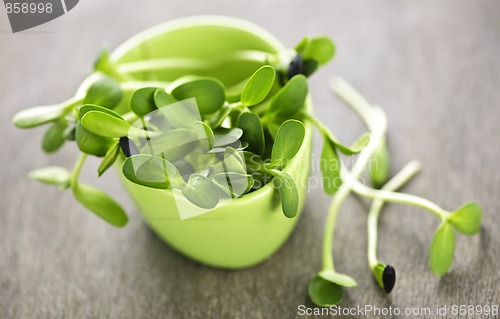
{"points": [[433, 65]]}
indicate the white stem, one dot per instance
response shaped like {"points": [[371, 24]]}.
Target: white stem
{"points": [[401, 198], [410, 170], [355, 100], [376, 120]]}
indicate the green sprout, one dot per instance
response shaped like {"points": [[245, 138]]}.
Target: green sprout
{"points": [[209, 143], [327, 290], [199, 152], [385, 275]]}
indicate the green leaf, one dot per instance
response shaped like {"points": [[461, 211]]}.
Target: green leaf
{"points": [[100, 204], [109, 158], [142, 101], [324, 293], [337, 278], [330, 168], [52, 175], [303, 44], [151, 171], [54, 137], [162, 98], [227, 136], [91, 143], [290, 99], [253, 132], [467, 219], [233, 184], [442, 249], [378, 273], [104, 92], [173, 144], [380, 165], [205, 136], [253, 161], [102, 61], [209, 93], [104, 65], [219, 150], [84, 109], [233, 162], [238, 154], [39, 115], [105, 125], [258, 86], [288, 193], [356, 147], [181, 114], [201, 192], [218, 117], [320, 49], [287, 142]]}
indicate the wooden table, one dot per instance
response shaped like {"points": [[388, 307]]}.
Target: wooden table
{"points": [[433, 66]]}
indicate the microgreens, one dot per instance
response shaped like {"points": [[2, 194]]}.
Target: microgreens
{"points": [[385, 275], [208, 143], [327, 290]]}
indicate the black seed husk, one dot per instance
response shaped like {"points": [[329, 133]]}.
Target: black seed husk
{"points": [[389, 278], [296, 66], [309, 67], [128, 147]]}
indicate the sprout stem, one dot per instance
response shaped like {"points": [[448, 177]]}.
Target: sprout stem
{"points": [[410, 170], [71, 103], [394, 197], [356, 101], [77, 169], [376, 121], [325, 132]]}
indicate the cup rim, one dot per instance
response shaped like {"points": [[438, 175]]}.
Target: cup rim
{"points": [[208, 20]]}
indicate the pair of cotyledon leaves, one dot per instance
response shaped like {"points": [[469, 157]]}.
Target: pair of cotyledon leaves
{"points": [[104, 91], [91, 198], [467, 220], [311, 53]]}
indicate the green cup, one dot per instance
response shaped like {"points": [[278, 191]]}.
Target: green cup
{"points": [[247, 230]]}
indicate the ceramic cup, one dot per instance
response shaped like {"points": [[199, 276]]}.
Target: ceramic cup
{"points": [[247, 230]]}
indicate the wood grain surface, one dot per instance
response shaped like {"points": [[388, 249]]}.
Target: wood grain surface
{"points": [[434, 66]]}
